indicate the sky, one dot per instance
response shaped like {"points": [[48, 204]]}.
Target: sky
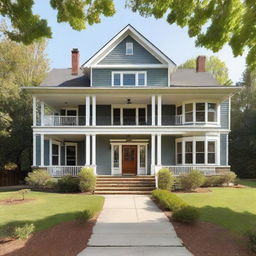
{"points": [[171, 39]]}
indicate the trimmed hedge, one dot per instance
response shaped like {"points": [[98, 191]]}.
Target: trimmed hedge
{"points": [[68, 184], [187, 214], [168, 200], [87, 180], [165, 179], [192, 180], [212, 181]]}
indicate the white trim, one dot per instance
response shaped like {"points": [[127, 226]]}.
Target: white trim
{"points": [[122, 73], [129, 66], [54, 142], [34, 110], [93, 149], [42, 150], [159, 110], [153, 110], [93, 110], [50, 152], [153, 153], [88, 150], [87, 110], [70, 144], [159, 149], [34, 149], [229, 112], [42, 113]]}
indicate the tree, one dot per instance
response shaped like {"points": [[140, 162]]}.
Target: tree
{"points": [[20, 65], [243, 132], [214, 66]]}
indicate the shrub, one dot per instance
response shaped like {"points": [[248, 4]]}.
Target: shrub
{"points": [[251, 235], [25, 231], [165, 179], [68, 184], [168, 200], [228, 177], [211, 181], [192, 180], [87, 180], [85, 215], [187, 214], [40, 179]]}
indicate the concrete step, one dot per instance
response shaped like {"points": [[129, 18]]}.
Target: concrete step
{"points": [[111, 192], [125, 185], [125, 188], [126, 180]]}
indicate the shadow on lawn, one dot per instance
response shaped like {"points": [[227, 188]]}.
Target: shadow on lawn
{"points": [[7, 230], [238, 222]]}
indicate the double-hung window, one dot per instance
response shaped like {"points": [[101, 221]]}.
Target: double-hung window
{"points": [[129, 78], [55, 154], [129, 48]]}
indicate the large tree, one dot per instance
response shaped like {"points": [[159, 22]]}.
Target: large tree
{"points": [[243, 131], [20, 65], [213, 22], [214, 66]]}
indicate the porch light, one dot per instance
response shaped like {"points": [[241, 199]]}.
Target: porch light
{"points": [[129, 101]]}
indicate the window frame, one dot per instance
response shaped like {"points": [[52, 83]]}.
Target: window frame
{"points": [[121, 73], [129, 45], [74, 144], [53, 142]]}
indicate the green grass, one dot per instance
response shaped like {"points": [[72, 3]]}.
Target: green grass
{"points": [[248, 182], [46, 210], [231, 208]]}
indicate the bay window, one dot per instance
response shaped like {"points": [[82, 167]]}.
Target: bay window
{"points": [[189, 112], [200, 152], [179, 153], [212, 112], [211, 152], [129, 78], [200, 112], [189, 152]]}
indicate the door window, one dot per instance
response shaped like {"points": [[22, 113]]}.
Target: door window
{"points": [[70, 155]]}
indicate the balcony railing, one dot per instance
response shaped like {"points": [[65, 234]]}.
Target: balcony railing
{"points": [[178, 170], [60, 171], [53, 120]]}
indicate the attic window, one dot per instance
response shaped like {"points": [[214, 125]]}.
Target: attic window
{"points": [[129, 48]]}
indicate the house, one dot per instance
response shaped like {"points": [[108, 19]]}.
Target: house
{"points": [[129, 110]]}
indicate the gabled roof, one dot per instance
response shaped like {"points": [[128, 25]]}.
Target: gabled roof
{"points": [[129, 30]]}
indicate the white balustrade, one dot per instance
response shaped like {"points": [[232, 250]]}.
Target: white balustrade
{"points": [[178, 170], [60, 171]]}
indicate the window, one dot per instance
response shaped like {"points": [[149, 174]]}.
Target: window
{"points": [[200, 112], [129, 116], [212, 112], [55, 154], [200, 152], [188, 152], [189, 112], [70, 155], [117, 79], [179, 153], [129, 48], [116, 116], [179, 110], [211, 152], [142, 116], [142, 156], [116, 156], [129, 78]]}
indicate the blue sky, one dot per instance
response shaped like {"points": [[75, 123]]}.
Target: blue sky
{"points": [[172, 40]]}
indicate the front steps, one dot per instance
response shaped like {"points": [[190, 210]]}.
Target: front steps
{"points": [[125, 185]]}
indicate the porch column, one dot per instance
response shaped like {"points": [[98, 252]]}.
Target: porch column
{"points": [[153, 110], [34, 149], [34, 111], [153, 153], [88, 150], [94, 149], [50, 152], [159, 149], [42, 113], [94, 110], [87, 110], [42, 150], [159, 110]]}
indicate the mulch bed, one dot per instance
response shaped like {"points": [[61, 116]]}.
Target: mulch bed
{"points": [[206, 239], [65, 239]]}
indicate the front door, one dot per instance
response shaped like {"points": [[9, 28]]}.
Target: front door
{"points": [[129, 160]]}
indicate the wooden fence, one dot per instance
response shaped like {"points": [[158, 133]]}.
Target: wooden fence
{"points": [[12, 177]]}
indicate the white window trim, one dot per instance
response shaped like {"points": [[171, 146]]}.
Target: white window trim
{"points": [[70, 144], [216, 139], [128, 45], [54, 142], [133, 106], [136, 73]]}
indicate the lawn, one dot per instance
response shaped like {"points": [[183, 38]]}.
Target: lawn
{"points": [[248, 182], [45, 209], [231, 208]]}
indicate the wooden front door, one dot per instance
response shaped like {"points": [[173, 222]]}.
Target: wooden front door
{"points": [[129, 160]]}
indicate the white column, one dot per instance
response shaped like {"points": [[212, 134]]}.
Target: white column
{"points": [[93, 110], [159, 110], [34, 149], [153, 110], [87, 110], [42, 113], [34, 110], [94, 149], [159, 150], [153, 153], [88, 150], [50, 152], [42, 150]]}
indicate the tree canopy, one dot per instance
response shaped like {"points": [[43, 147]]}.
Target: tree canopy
{"points": [[212, 22], [214, 66]]}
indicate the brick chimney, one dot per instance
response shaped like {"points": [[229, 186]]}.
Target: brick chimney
{"points": [[200, 64], [75, 61]]}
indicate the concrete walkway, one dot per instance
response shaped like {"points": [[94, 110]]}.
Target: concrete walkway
{"points": [[133, 226]]}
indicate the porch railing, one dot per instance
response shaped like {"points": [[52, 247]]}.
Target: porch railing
{"points": [[54, 120], [178, 170], [60, 171]]}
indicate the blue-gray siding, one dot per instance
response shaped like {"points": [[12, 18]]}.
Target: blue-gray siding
{"points": [[140, 54], [224, 114], [223, 148], [38, 149], [155, 77], [168, 150]]}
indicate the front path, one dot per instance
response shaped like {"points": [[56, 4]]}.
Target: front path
{"points": [[133, 226]]}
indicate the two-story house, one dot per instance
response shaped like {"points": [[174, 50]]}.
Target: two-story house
{"points": [[129, 110]]}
